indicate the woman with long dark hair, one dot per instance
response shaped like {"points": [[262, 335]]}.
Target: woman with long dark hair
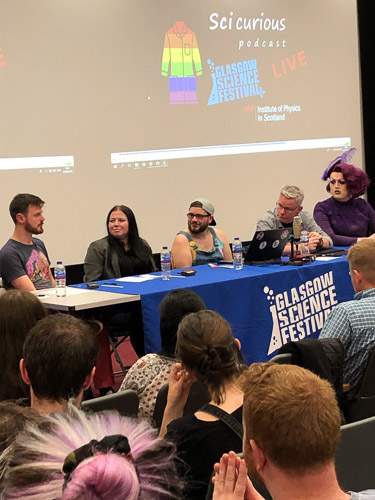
{"points": [[19, 311], [122, 252], [152, 371]]}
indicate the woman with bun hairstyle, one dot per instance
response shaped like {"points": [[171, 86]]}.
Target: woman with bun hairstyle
{"points": [[344, 216], [208, 352], [99, 456]]}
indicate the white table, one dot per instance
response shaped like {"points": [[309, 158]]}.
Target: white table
{"points": [[77, 299]]}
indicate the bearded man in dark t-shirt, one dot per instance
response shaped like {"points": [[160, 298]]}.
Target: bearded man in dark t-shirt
{"points": [[24, 262]]}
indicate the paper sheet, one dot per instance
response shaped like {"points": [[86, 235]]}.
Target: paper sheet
{"points": [[138, 279]]}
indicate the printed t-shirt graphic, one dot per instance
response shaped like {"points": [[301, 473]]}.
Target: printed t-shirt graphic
{"points": [[38, 270]]}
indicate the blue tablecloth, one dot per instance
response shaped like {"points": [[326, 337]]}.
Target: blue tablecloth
{"points": [[267, 305]]}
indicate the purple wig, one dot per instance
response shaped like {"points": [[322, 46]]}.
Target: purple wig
{"points": [[356, 180], [32, 467]]}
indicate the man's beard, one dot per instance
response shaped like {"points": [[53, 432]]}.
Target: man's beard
{"points": [[199, 229], [33, 229]]}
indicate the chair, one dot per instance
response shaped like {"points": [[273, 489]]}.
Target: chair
{"points": [[363, 406], [325, 357], [282, 359], [115, 339], [118, 332], [125, 402], [355, 457], [198, 396], [115, 342]]}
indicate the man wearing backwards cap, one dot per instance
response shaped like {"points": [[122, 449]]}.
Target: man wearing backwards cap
{"points": [[200, 243]]}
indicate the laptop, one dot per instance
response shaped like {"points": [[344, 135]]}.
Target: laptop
{"points": [[267, 246]]}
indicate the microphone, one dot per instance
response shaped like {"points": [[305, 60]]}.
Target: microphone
{"points": [[297, 227]]}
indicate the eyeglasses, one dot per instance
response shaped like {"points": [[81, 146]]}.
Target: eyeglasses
{"points": [[191, 216], [337, 181], [287, 209]]}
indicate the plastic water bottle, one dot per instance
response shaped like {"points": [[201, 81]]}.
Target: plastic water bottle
{"points": [[60, 278], [165, 261], [304, 242], [237, 254]]}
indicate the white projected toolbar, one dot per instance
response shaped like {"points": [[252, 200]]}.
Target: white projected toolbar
{"points": [[64, 163], [161, 155]]}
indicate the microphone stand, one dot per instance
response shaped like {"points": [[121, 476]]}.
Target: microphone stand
{"points": [[292, 261]]}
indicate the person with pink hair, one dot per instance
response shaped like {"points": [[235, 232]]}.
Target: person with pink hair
{"points": [[344, 216], [80, 456]]}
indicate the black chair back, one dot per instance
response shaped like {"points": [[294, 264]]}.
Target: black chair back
{"points": [[283, 359], [125, 402], [363, 406], [355, 457]]}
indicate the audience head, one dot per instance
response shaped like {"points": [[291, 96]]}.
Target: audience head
{"points": [[289, 203], [127, 228], [207, 348], [172, 309], [361, 258], [291, 415], [13, 418], [21, 203], [345, 180], [91, 457], [59, 353], [19, 311]]}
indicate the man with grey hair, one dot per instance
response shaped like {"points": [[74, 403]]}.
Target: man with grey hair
{"points": [[288, 206], [200, 243]]}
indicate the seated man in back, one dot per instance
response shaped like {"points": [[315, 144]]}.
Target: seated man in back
{"points": [[288, 206], [24, 262], [291, 434], [200, 243], [353, 322], [59, 357]]}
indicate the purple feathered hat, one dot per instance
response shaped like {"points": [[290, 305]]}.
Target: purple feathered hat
{"points": [[356, 180]]}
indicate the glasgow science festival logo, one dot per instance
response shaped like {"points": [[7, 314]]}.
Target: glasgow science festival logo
{"points": [[300, 311], [234, 81]]}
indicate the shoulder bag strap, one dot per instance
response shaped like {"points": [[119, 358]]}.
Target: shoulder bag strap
{"points": [[225, 417]]}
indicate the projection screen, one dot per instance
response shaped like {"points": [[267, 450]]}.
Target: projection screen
{"points": [[152, 103]]}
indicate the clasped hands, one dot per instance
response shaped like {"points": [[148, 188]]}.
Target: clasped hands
{"points": [[231, 481]]}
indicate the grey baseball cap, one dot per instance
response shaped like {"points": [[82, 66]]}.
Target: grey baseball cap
{"points": [[205, 205]]}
